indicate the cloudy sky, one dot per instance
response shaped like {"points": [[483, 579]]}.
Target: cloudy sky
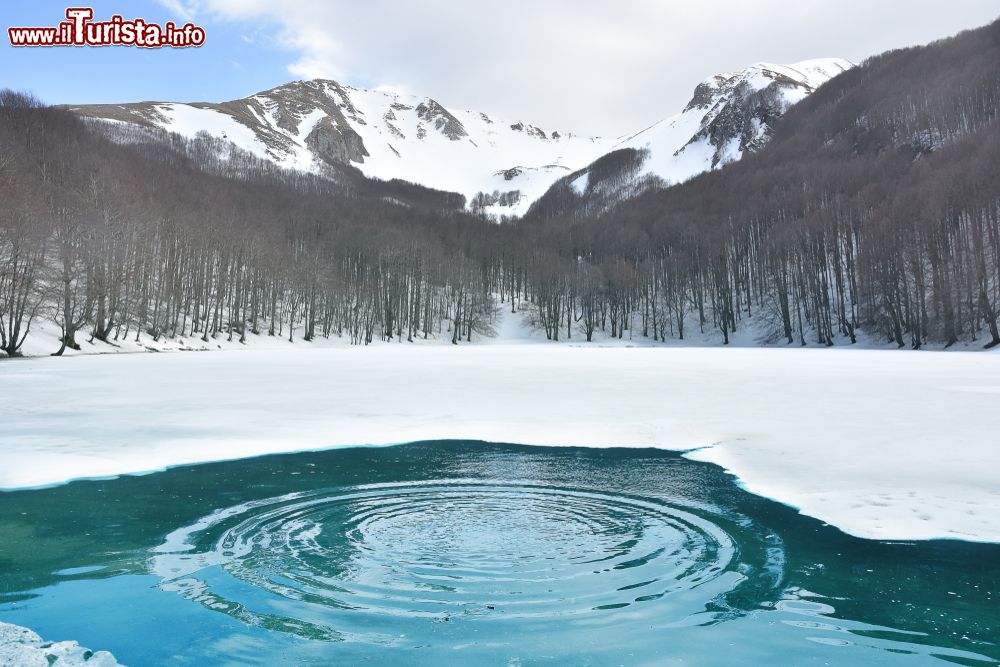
{"points": [[582, 65]]}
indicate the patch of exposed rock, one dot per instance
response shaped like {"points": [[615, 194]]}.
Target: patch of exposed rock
{"points": [[21, 647]]}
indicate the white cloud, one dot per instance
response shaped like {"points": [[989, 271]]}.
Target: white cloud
{"points": [[585, 65], [183, 10]]}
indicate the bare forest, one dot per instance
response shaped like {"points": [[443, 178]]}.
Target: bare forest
{"points": [[873, 211]]}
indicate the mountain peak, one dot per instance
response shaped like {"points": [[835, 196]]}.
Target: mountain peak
{"points": [[500, 166], [729, 114]]}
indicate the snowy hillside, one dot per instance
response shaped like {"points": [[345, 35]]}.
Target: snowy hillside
{"points": [[501, 167], [728, 115], [306, 125]]}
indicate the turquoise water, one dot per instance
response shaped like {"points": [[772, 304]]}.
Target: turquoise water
{"points": [[470, 553]]}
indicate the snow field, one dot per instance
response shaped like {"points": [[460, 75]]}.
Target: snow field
{"points": [[882, 444]]}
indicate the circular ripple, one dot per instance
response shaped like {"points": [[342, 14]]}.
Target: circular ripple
{"points": [[449, 550]]}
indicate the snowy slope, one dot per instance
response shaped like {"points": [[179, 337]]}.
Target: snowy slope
{"points": [[501, 166], [306, 125], [461, 151], [728, 115]]}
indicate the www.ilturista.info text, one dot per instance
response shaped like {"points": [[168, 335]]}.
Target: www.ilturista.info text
{"points": [[81, 30]]}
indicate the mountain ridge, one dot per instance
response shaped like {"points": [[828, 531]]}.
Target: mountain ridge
{"points": [[502, 167], [729, 114]]}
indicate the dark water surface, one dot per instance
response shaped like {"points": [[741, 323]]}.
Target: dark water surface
{"points": [[477, 554]]}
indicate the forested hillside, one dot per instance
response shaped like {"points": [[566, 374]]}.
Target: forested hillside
{"points": [[873, 211], [130, 237], [875, 207]]}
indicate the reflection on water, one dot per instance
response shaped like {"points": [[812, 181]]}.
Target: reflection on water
{"points": [[465, 553]]}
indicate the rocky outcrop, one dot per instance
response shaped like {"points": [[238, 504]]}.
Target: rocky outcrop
{"points": [[21, 647], [336, 144], [441, 119], [746, 117]]}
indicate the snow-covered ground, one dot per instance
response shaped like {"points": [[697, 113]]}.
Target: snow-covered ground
{"points": [[883, 444], [506, 328]]}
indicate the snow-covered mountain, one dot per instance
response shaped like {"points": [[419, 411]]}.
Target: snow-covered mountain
{"points": [[502, 167], [309, 125], [728, 115]]}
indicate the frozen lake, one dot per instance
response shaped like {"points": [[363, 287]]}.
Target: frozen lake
{"points": [[892, 445]]}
